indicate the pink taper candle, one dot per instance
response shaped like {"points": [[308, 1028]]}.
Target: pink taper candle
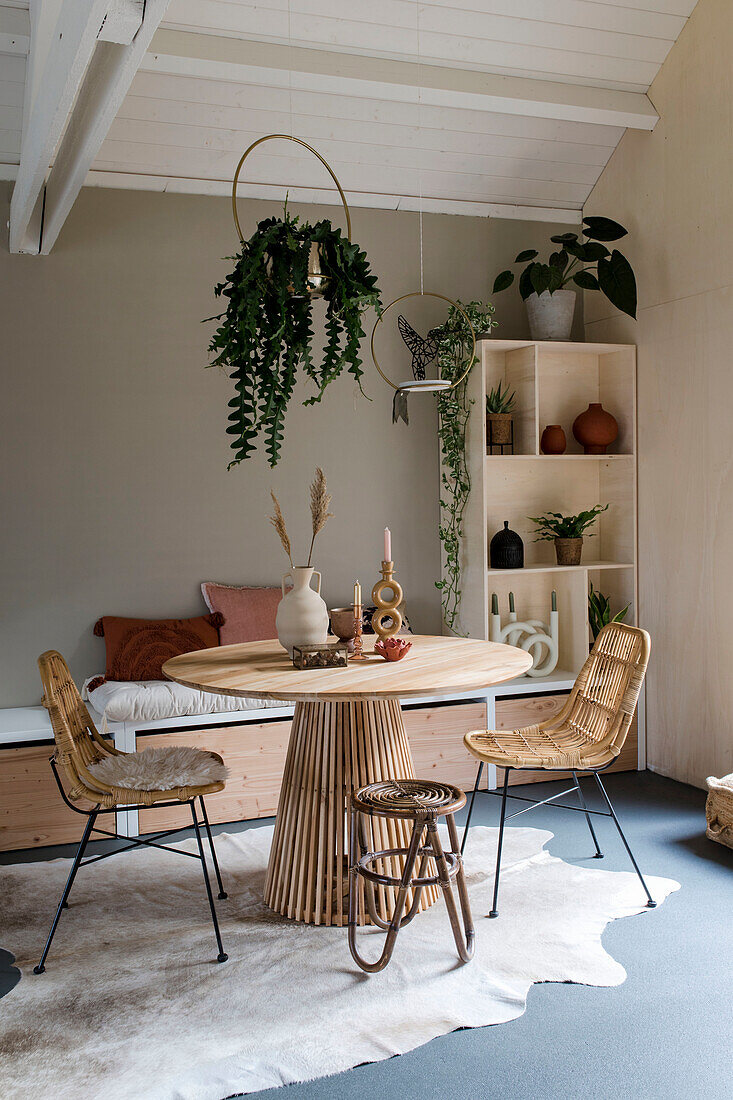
{"points": [[387, 544]]}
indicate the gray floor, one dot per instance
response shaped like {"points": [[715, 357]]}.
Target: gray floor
{"points": [[667, 1032]]}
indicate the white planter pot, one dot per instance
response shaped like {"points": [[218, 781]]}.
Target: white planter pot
{"points": [[551, 315], [302, 616]]}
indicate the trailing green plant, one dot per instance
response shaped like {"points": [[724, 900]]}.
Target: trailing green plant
{"points": [[266, 331], [557, 526], [500, 402], [599, 612], [454, 407], [575, 261]]}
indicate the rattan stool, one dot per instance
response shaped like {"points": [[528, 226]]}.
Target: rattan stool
{"points": [[421, 801]]}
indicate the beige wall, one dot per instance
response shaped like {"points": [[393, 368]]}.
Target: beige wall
{"points": [[672, 189], [116, 498]]}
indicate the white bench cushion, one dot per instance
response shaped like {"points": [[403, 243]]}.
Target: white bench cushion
{"points": [[153, 700]]}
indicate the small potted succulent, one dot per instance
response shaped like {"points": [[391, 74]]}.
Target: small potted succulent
{"points": [[599, 612], [587, 264], [499, 408], [567, 532]]}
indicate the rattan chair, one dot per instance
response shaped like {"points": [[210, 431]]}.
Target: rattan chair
{"points": [[585, 736], [79, 747]]}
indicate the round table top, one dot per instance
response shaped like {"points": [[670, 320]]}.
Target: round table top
{"points": [[434, 666]]}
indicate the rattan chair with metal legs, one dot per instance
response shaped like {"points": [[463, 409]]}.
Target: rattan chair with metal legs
{"points": [[585, 736], [79, 747], [422, 802]]}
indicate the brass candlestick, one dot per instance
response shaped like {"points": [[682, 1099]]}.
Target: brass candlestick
{"points": [[387, 609], [358, 654]]}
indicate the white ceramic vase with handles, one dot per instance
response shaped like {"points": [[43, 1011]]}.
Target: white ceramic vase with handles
{"points": [[302, 616]]}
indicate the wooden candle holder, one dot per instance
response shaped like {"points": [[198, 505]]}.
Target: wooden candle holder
{"points": [[387, 608], [358, 654]]}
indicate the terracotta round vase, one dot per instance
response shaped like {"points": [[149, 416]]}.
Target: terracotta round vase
{"points": [[568, 551], [595, 429], [553, 441]]}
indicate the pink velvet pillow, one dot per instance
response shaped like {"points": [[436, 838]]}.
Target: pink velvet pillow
{"points": [[249, 613]]}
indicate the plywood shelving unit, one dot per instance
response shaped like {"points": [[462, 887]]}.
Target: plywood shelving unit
{"points": [[554, 382]]}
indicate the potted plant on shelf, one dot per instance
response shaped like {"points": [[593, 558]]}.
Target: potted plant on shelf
{"points": [[567, 532], [499, 407], [586, 263], [266, 330], [599, 612]]}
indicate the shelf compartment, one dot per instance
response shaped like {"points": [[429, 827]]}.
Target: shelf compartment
{"points": [[515, 368], [567, 382], [517, 490], [532, 593]]}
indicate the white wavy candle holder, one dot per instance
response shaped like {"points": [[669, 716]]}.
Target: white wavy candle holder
{"points": [[541, 639]]}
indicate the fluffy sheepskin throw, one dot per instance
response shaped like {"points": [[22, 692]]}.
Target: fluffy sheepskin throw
{"points": [[160, 769]]}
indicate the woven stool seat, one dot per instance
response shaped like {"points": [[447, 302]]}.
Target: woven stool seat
{"points": [[406, 798], [423, 863]]}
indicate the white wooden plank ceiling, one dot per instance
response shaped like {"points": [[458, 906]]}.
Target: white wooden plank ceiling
{"points": [[504, 107]]}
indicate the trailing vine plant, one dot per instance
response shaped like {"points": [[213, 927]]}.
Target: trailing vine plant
{"points": [[266, 331], [454, 407]]}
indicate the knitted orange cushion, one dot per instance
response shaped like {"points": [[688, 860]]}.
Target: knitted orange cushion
{"points": [[138, 648]]}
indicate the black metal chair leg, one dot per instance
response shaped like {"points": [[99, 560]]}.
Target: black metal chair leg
{"points": [[40, 969], [599, 853], [470, 808], [222, 956], [651, 903], [494, 911], [222, 892]]}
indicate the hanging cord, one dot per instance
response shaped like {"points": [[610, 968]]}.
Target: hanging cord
{"points": [[419, 132]]}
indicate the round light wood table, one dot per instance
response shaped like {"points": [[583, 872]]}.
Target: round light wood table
{"points": [[347, 731]]}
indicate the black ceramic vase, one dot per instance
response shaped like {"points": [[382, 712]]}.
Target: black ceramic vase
{"points": [[506, 550]]}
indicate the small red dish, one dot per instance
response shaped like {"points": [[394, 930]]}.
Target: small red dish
{"points": [[392, 649]]}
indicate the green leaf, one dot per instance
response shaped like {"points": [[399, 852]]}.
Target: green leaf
{"points": [[559, 259], [540, 276], [603, 229], [586, 280], [525, 283], [503, 280], [592, 251], [528, 254], [564, 238], [616, 280]]}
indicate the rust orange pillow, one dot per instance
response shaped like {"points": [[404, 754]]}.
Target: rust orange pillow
{"points": [[137, 649]]}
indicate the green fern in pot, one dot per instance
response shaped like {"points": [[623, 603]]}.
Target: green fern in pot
{"points": [[266, 332]]}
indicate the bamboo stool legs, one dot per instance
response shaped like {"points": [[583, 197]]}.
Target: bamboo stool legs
{"points": [[411, 800]]}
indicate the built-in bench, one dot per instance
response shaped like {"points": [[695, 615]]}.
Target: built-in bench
{"points": [[253, 743]]}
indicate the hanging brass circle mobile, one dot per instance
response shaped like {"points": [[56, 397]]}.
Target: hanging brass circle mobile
{"points": [[440, 384], [298, 141]]}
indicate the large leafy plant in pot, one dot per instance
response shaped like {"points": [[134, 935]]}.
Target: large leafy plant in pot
{"points": [[584, 262], [266, 331]]}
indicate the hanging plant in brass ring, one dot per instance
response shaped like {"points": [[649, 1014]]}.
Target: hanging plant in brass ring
{"points": [[316, 278], [440, 385]]}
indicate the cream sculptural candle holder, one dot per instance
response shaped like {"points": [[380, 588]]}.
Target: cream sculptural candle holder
{"points": [[538, 638], [387, 609]]}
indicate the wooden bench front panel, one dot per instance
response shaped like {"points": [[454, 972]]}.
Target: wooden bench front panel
{"points": [[523, 710], [32, 813]]}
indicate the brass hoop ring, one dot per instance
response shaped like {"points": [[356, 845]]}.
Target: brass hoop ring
{"points": [[299, 141], [425, 294]]}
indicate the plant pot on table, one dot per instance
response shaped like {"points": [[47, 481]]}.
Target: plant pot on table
{"points": [[568, 551]]}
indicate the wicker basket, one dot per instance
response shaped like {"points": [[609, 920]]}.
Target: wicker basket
{"points": [[719, 809]]}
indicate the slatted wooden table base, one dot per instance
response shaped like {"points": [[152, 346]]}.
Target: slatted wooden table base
{"points": [[335, 748], [347, 732]]}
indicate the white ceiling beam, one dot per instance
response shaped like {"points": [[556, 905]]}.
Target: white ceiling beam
{"points": [[322, 196], [123, 20], [216, 57], [63, 38], [107, 81], [77, 83]]}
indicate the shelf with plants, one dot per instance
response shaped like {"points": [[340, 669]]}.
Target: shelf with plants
{"points": [[552, 383]]}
